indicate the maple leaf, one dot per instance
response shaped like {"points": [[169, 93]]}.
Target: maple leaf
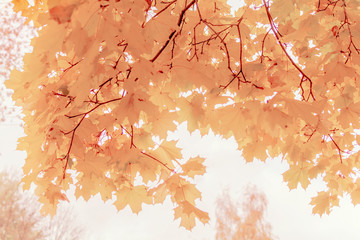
{"points": [[20, 5], [194, 166], [188, 213], [132, 196], [355, 194], [62, 14], [255, 149], [296, 175], [323, 202], [168, 152]]}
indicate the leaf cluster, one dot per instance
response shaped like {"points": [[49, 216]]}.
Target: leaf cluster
{"points": [[108, 79]]}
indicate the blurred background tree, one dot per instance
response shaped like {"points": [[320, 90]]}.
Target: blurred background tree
{"points": [[243, 220], [14, 43], [63, 226], [20, 217]]}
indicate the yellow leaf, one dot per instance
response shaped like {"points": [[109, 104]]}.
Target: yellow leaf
{"points": [[187, 213], [323, 202], [255, 149], [186, 191], [20, 5], [167, 152], [355, 194], [132, 196], [296, 175], [193, 167]]}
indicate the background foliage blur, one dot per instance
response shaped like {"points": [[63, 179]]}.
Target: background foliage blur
{"points": [[20, 217], [14, 43], [243, 220]]}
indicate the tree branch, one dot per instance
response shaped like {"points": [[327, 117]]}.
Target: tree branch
{"points": [[277, 36]]}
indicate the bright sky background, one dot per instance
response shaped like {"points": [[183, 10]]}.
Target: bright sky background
{"points": [[289, 212]]}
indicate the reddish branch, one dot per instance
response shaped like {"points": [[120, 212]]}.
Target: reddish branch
{"points": [[163, 47], [73, 131], [98, 90], [71, 99], [172, 34], [278, 36], [67, 156], [345, 22], [72, 65], [184, 11], [239, 75], [212, 37], [83, 115], [131, 135], [338, 148], [240, 72], [302, 80], [262, 56], [195, 43], [222, 39], [91, 110], [351, 42], [157, 160], [329, 3]]}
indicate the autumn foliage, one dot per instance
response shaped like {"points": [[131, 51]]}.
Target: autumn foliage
{"points": [[108, 79]]}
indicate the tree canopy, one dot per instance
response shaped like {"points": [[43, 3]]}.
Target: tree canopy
{"points": [[108, 79]]}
